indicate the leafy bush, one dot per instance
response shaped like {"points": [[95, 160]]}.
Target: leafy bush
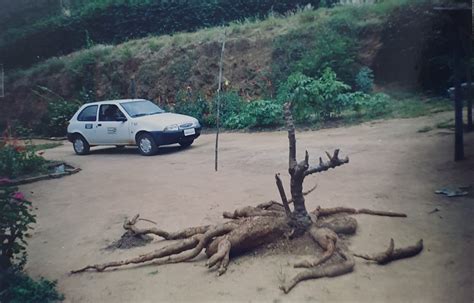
{"points": [[377, 105], [15, 222], [312, 49], [314, 98], [24, 289], [231, 104], [58, 115], [364, 80], [197, 107], [370, 106], [260, 113], [17, 160]]}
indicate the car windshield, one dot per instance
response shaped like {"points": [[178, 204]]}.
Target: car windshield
{"points": [[141, 108]]}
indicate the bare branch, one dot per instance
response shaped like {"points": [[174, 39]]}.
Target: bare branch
{"points": [[333, 162], [281, 190], [323, 212]]}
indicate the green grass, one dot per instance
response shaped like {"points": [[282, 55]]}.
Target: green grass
{"points": [[415, 107]]}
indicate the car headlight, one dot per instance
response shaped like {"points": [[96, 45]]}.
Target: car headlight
{"points": [[170, 128]]}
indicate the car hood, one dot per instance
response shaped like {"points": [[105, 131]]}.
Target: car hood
{"points": [[166, 119]]}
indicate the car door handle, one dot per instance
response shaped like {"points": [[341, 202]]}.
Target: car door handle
{"points": [[99, 125]]}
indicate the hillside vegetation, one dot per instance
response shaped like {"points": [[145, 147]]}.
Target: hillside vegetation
{"points": [[328, 60], [71, 25]]}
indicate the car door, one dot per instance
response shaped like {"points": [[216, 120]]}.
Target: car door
{"points": [[87, 122], [113, 126]]}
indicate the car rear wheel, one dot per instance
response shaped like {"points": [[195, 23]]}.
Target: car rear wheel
{"points": [[80, 145], [146, 145], [186, 143]]}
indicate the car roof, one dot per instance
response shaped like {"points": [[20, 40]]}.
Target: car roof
{"points": [[115, 101]]}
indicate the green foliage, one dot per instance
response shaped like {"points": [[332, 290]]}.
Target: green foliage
{"points": [[24, 289], [314, 99], [313, 48], [16, 218], [15, 222], [231, 104], [115, 21], [260, 113], [364, 80], [194, 106], [16, 160], [370, 106], [58, 116]]}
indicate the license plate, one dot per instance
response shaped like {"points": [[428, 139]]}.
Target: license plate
{"points": [[189, 131]]}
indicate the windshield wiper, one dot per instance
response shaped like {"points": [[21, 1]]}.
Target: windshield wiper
{"points": [[140, 115]]}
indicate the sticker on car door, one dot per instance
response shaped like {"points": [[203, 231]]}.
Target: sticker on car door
{"points": [[111, 130], [88, 125]]}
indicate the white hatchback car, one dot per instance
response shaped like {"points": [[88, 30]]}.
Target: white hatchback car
{"points": [[129, 122]]}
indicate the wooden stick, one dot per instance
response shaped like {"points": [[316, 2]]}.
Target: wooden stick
{"points": [[219, 103]]}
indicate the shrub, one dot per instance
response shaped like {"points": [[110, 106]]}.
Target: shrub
{"points": [[26, 290], [16, 218], [197, 107], [311, 50], [365, 104], [377, 105], [260, 113], [17, 160], [231, 104], [58, 115], [364, 80], [314, 98]]}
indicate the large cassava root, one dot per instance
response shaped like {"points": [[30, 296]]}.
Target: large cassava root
{"points": [[392, 254], [250, 227]]}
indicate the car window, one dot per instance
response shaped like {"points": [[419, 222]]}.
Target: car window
{"points": [[110, 112], [141, 108], [88, 114]]}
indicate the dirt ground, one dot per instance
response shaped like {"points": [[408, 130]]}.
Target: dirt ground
{"points": [[392, 167]]}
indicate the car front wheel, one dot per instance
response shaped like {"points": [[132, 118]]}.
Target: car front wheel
{"points": [[186, 143], [81, 146], [146, 145]]}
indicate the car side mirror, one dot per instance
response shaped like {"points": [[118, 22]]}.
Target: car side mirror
{"points": [[121, 119]]}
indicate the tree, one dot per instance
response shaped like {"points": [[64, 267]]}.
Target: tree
{"points": [[250, 227]]}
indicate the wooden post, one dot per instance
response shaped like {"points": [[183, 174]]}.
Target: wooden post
{"points": [[458, 136], [469, 87], [219, 103], [458, 14], [133, 90]]}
